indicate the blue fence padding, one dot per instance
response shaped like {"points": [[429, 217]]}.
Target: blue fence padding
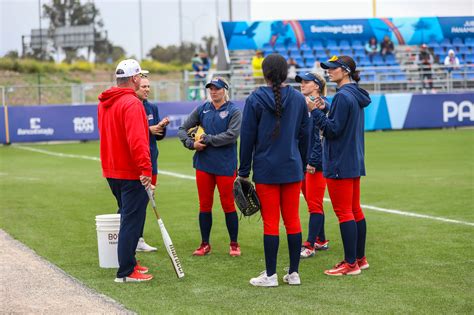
{"points": [[391, 111]]}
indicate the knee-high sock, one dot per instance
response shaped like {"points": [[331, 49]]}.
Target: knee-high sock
{"points": [[232, 222], [316, 222], [270, 246], [294, 248], [361, 234], [205, 224], [349, 239], [322, 234]]}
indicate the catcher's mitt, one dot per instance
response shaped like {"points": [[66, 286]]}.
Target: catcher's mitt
{"points": [[196, 132], [245, 197]]}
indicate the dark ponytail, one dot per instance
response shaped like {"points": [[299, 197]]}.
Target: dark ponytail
{"points": [[355, 74], [275, 71]]}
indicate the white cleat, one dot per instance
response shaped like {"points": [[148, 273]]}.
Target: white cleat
{"points": [[292, 278], [144, 247], [265, 281]]}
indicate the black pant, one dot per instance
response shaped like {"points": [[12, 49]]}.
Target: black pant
{"points": [[132, 201]]}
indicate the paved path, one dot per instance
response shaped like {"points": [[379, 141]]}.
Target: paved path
{"points": [[30, 284]]}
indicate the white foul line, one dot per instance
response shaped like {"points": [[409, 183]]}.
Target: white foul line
{"points": [[178, 175]]}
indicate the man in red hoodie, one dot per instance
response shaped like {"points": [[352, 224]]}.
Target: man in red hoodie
{"points": [[126, 163]]}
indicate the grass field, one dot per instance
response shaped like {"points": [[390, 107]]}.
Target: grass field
{"points": [[417, 265]]}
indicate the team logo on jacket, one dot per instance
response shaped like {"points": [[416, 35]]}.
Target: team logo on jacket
{"points": [[224, 114], [150, 117]]}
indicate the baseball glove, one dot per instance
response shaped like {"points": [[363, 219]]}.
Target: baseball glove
{"points": [[196, 132], [246, 197]]}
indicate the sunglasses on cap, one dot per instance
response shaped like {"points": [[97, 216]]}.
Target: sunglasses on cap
{"points": [[334, 62]]}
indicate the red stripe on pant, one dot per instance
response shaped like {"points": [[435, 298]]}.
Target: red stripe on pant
{"points": [[280, 197], [206, 183], [345, 198], [313, 188]]}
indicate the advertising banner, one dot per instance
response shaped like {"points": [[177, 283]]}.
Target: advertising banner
{"points": [[390, 111], [52, 123], [3, 138], [402, 31]]}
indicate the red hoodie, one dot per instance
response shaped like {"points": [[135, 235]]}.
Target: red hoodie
{"points": [[123, 130]]}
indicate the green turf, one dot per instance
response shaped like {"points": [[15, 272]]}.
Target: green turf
{"points": [[417, 265]]}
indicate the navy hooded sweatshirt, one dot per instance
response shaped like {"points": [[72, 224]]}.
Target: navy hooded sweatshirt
{"points": [[280, 159], [343, 129]]}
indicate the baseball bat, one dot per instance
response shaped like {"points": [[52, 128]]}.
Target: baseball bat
{"points": [[167, 239]]}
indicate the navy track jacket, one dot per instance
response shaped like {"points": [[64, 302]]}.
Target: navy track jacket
{"points": [[153, 117], [315, 153], [281, 159], [222, 128], [343, 129]]}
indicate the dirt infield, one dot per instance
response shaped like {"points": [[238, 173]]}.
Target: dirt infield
{"points": [[30, 284]]}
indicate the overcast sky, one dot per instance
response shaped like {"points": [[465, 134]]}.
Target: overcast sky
{"points": [[161, 23]]}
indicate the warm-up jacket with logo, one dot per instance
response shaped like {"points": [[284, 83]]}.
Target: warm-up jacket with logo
{"points": [[123, 131], [276, 159], [343, 131], [222, 128]]}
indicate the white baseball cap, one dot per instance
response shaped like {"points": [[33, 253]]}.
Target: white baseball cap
{"points": [[128, 68]]}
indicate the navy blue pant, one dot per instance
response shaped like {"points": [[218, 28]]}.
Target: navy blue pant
{"points": [[132, 201]]}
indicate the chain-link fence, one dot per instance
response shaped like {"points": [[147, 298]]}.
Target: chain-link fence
{"points": [[408, 79]]}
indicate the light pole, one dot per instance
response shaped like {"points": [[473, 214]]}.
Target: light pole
{"points": [[193, 24], [140, 21]]}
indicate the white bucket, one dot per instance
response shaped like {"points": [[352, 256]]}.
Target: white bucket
{"points": [[108, 227]]}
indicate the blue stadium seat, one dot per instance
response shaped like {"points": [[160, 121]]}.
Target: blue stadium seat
{"points": [[320, 51], [469, 42], [446, 43], [347, 52], [267, 45], [344, 44], [359, 52], [309, 62], [365, 63], [433, 44], [292, 45], [457, 42], [267, 51], [357, 44], [279, 45], [463, 50], [438, 50], [308, 54], [281, 50], [305, 46], [333, 52], [331, 44], [299, 61], [317, 44], [294, 52]]}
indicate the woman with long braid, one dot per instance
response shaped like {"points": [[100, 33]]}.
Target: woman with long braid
{"points": [[274, 143]]}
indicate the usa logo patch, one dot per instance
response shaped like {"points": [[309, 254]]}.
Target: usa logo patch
{"points": [[223, 114]]}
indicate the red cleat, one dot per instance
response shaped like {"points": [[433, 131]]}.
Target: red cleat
{"points": [[362, 262], [140, 268], [344, 268], [321, 245], [135, 276], [234, 249], [204, 249]]}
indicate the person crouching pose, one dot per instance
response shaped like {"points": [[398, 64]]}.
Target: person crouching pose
{"points": [[274, 142]]}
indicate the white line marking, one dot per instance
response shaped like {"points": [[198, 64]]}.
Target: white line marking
{"points": [[20, 177], [178, 175]]}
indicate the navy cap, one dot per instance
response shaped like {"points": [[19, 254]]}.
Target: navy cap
{"points": [[333, 63], [308, 76], [218, 83]]}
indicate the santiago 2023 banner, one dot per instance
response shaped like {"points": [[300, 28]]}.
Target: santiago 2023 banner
{"points": [[402, 31]]}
